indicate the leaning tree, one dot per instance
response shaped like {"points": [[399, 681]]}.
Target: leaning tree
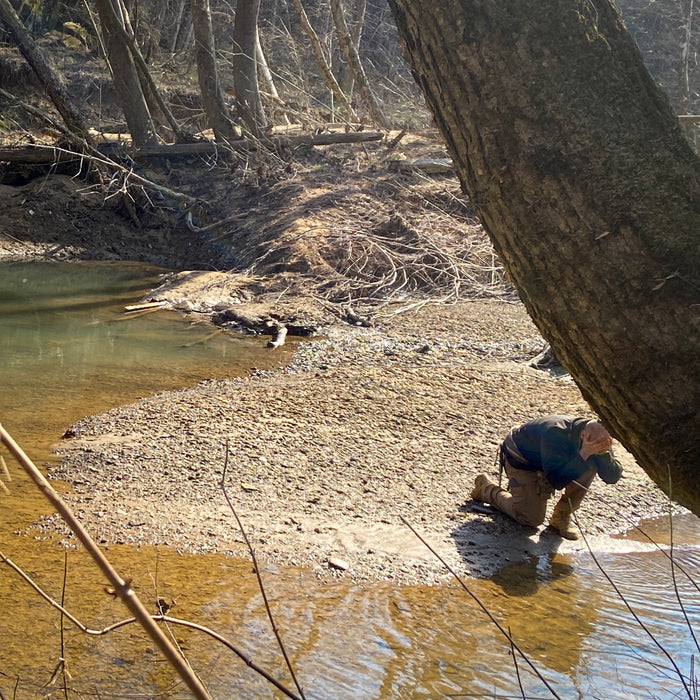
{"points": [[590, 193]]}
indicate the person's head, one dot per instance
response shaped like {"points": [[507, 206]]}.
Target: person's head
{"points": [[595, 430], [597, 437]]}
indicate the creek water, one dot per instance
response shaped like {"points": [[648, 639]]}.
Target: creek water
{"points": [[66, 351]]}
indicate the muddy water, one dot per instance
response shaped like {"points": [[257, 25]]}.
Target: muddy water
{"points": [[345, 642]]}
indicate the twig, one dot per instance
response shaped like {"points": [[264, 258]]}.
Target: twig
{"points": [[673, 566], [5, 470], [498, 625], [64, 670], [517, 668], [256, 568], [636, 527], [157, 618], [122, 588]]}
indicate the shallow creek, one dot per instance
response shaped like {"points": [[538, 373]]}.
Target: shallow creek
{"points": [[67, 350]]}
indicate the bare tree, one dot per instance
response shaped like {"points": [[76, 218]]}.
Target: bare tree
{"points": [[50, 80], [266, 75], [125, 76], [245, 70], [355, 65], [582, 177], [207, 71], [322, 63], [347, 82]]}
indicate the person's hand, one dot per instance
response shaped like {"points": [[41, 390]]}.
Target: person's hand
{"points": [[594, 444]]}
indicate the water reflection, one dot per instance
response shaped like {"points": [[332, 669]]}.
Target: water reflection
{"points": [[525, 578], [68, 349]]}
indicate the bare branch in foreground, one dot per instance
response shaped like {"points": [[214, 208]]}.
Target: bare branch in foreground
{"points": [[157, 618], [122, 587], [498, 625], [673, 568], [636, 617]]}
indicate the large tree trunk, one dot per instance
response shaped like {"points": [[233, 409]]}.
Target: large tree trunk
{"points": [[208, 73], [125, 77], [591, 195], [245, 70], [50, 81]]}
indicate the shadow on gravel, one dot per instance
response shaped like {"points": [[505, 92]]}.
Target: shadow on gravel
{"points": [[490, 541]]}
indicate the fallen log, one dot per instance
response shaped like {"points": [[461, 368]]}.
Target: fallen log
{"points": [[35, 155], [430, 166], [210, 147]]}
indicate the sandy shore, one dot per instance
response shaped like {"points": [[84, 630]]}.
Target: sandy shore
{"points": [[367, 429]]}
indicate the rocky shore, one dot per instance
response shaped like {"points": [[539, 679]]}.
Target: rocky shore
{"points": [[328, 460]]}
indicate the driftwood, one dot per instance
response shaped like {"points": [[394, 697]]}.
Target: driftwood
{"points": [[145, 305], [279, 333], [260, 325], [46, 154]]}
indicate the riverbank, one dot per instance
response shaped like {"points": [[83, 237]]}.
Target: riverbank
{"points": [[385, 414], [367, 429]]}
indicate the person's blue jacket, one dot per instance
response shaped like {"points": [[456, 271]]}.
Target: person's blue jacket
{"points": [[551, 444]]}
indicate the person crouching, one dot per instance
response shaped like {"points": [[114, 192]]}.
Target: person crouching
{"points": [[544, 455]]}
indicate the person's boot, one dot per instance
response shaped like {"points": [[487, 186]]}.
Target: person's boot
{"points": [[484, 489], [560, 522]]}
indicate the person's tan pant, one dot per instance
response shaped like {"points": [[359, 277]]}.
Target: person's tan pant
{"points": [[528, 493]]}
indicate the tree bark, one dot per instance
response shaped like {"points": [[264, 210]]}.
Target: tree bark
{"points": [[581, 175], [684, 59], [50, 81], [125, 77], [355, 65], [245, 70], [208, 73]]}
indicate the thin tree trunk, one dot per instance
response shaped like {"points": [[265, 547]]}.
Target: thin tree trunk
{"points": [[207, 71], [245, 70], [325, 69], [154, 99], [50, 80], [266, 74], [125, 77], [353, 59], [181, 26], [347, 82], [577, 166]]}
